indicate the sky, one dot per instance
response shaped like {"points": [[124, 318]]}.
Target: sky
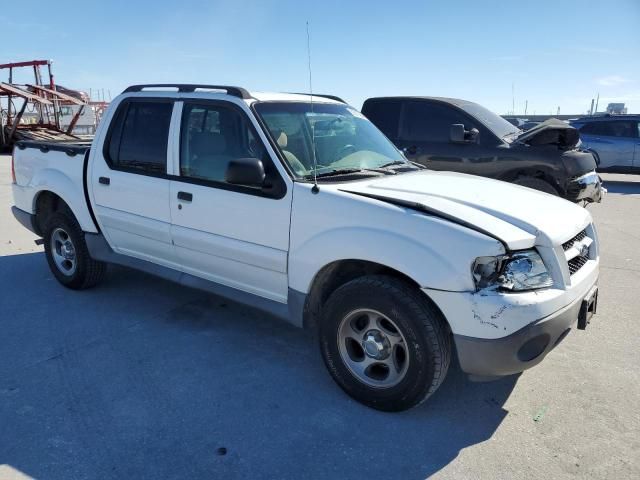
{"points": [[501, 54]]}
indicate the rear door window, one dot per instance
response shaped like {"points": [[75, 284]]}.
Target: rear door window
{"points": [[431, 122], [139, 136], [385, 114]]}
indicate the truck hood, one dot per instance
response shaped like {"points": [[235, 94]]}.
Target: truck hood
{"points": [[551, 132], [517, 216]]}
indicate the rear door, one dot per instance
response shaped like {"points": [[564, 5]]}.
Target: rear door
{"points": [[614, 141], [129, 181], [232, 235], [425, 138]]}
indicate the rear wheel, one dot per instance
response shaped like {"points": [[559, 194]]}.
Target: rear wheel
{"points": [[537, 184], [384, 342], [67, 253]]}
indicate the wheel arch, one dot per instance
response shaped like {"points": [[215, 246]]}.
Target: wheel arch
{"points": [[46, 203], [337, 273]]}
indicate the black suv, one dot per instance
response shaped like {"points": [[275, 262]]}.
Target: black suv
{"points": [[461, 136]]}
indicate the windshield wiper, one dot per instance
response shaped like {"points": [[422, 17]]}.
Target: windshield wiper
{"points": [[395, 162], [345, 171], [407, 163], [331, 173]]}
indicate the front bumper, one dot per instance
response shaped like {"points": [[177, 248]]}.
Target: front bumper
{"points": [[492, 330], [520, 350], [587, 187]]}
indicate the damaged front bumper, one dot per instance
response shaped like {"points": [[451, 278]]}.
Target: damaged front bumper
{"points": [[499, 334], [587, 187], [486, 359]]}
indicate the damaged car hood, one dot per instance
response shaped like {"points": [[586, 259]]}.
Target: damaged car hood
{"points": [[517, 216], [551, 132]]}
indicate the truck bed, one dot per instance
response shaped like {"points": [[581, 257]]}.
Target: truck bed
{"points": [[59, 167]]}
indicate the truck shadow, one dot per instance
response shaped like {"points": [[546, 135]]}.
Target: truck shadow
{"points": [[142, 378]]}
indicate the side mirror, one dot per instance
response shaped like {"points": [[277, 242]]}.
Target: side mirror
{"points": [[456, 133], [472, 135], [245, 171]]}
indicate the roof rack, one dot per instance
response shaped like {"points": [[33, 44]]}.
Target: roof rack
{"points": [[185, 87], [330, 97]]}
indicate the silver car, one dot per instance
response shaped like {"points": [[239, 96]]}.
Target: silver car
{"points": [[613, 139]]}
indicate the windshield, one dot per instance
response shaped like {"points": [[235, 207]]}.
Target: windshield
{"points": [[344, 139], [493, 121]]}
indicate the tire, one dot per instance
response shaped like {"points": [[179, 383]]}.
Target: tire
{"points": [[71, 265], [537, 184], [420, 347]]}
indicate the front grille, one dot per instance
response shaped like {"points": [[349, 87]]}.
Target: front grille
{"points": [[576, 263], [578, 238], [576, 257]]}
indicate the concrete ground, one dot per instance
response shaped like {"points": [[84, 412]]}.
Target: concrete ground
{"points": [[141, 378]]}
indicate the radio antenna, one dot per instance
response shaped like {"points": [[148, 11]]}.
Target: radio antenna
{"points": [[315, 188]]}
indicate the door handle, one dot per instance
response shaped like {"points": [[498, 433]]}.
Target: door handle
{"points": [[185, 196], [104, 180]]}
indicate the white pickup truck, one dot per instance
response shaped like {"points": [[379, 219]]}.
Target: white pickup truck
{"points": [[300, 207]]}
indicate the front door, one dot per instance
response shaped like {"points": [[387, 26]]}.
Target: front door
{"points": [[129, 181], [233, 235], [425, 139]]}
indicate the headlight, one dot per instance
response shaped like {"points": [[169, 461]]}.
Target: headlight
{"points": [[518, 271]]}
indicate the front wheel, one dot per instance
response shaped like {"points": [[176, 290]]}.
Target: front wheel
{"points": [[384, 342], [67, 253]]}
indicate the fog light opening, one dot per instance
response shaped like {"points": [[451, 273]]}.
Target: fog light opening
{"points": [[533, 347]]}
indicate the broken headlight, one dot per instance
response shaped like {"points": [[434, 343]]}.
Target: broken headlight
{"points": [[518, 271]]}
